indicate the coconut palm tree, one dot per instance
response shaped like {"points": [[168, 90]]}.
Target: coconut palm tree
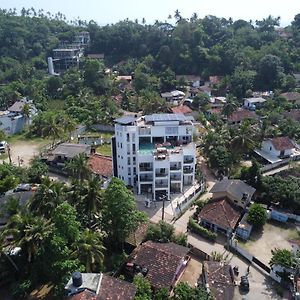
{"points": [[229, 108], [244, 139], [48, 196], [78, 167], [27, 232], [89, 250], [92, 198]]}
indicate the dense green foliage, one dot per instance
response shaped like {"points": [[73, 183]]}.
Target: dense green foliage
{"points": [[282, 257], [257, 215], [283, 191], [65, 228], [193, 226], [164, 233]]}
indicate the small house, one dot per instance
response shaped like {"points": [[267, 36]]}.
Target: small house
{"points": [[218, 278], [292, 97], [192, 80], [240, 115], [253, 103], [162, 264], [98, 286], [235, 190], [281, 147], [220, 215]]}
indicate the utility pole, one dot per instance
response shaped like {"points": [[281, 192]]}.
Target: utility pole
{"points": [[9, 155], [163, 197]]}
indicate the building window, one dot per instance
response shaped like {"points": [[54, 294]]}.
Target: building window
{"points": [[271, 148], [121, 157], [129, 171], [121, 145], [171, 130], [128, 160], [133, 148], [133, 160], [127, 137], [134, 171]]}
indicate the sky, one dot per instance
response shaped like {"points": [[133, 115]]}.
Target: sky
{"points": [[112, 11]]}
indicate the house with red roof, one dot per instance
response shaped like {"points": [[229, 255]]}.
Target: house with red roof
{"points": [[220, 215], [240, 115], [278, 148]]}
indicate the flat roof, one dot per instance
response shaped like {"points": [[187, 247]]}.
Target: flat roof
{"points": [[267, 156], [125, 120], [166, 117]]}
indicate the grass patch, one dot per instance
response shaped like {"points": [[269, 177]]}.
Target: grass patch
{"points": [[56, 104], [105, 135], [3, 156], [104, 149], [23, 138]]}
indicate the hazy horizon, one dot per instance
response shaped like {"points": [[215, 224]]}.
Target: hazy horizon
{"points": [[116, 10]]}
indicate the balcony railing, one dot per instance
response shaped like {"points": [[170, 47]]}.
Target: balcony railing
{"points": [[146, 179], [188, 161], [174, 168], [144, 131], [161, 185], [187, 171], [146, 169], [161, 174], [175, 178]]}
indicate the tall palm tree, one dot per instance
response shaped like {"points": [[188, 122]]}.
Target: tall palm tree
{"points": [[48, 196], [78, 167], [229, 108], [92, 198], [244, 139], [28, 232], [89, 250]]}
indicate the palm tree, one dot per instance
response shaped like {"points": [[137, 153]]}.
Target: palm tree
{"points": [[92, 198], [78, 167], [48, 196], [89, 250], [28, 233], [229, 108], [244, 139], [177, 15]]}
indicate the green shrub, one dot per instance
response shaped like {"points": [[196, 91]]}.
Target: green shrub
{"points": [[196, 228]]}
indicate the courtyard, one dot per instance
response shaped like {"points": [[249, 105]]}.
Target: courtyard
{"points": [[273, 235]]}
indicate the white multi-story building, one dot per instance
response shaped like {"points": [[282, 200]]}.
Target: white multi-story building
{"points": [[155, 153]]}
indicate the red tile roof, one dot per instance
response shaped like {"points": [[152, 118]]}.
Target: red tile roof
{"points": [[219, 277], [101, 165], [282, 143], [115, 289], [241, 114], [182, 109], [293, 114], [291, 96], [84, 295], [111, 288], [221, 212], [216, 110], [162, 261]]}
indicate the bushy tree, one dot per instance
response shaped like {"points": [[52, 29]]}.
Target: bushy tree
{"points": [[257, 215], [120, 216], [282, 257]]}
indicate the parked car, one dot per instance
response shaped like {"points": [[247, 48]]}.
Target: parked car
{"points": [[3, 146], [244, 284]]}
